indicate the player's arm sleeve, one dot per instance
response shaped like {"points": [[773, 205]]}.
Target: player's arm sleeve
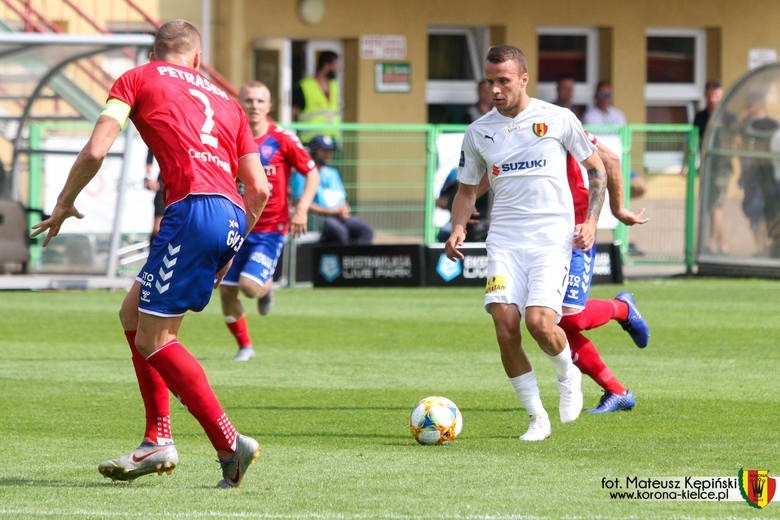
{"points": [[471, 166], [299, 157], [118, 110], [575, 139]]}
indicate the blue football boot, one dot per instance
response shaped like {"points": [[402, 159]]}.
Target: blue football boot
{"points": [[635, 324], [610, 402]]}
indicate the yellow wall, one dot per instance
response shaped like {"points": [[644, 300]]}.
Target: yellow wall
{"points": [[235, 23]]}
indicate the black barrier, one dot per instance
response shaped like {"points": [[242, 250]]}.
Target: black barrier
{"points": [[415, 265], [472, 270], [441, 271], [373, 266]]}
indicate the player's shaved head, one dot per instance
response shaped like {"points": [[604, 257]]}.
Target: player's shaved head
{"points": [[176, 38], [252, 85]]}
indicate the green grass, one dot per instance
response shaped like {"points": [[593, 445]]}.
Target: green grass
{"points": [[330, 392]]}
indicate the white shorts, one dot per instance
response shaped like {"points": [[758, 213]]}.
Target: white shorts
{"points": [[536, 278]]}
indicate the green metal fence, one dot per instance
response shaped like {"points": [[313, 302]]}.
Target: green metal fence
{"points": [[392, 174]]}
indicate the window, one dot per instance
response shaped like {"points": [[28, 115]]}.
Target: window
{"points": [[567, 51], [676, 68], [455, 57]]}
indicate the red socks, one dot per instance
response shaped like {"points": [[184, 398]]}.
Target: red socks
{"points": [[155, 396], [187, 380], [588, 360], [240, 331], [595, 314]]}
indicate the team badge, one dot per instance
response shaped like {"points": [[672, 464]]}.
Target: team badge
{"points": [[540, 129], [756, 486]]}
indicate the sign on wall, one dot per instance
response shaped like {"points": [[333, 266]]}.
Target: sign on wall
{"points": [[393, 76], [383, 47]]}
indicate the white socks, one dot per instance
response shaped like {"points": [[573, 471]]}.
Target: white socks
{"points": [[562, 362], [527, 391]]}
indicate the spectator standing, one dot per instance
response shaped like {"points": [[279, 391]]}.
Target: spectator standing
{"points": [[603, 112], [339, 226], [721, 169], [253, 267], [564, 95], [317, 100], [532, 229], [757, 176], [482, 106], [201, 139]]}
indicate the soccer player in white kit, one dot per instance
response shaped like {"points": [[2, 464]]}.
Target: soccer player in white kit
{"points": [[521, 147]]}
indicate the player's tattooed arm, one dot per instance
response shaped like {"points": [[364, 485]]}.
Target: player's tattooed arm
{"points": [[597, 185]]}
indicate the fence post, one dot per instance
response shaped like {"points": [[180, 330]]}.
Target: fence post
{"points": [[690, 199], [432, 135]]}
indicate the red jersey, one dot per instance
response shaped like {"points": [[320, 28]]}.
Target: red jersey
{"points": [[579, 192], [280, 152], [195, 130]]}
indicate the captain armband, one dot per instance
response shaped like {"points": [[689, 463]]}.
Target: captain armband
{"points": [[118, 110]]}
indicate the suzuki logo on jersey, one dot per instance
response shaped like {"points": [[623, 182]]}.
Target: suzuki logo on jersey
{"points": [[540, 129], [495, 170], [523, 165]]}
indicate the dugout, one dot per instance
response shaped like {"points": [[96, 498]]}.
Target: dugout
{"points": [[60, 80], [740, 180]]}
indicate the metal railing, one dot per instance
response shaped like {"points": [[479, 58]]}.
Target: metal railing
{"points": [[392, 174]]}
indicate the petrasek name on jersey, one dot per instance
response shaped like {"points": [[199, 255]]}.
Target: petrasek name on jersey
{"points": [[193, 79]]}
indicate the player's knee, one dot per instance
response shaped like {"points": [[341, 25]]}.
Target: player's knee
{"points": [[128, 317], [541, 328], [250, 289], [506, 333]]}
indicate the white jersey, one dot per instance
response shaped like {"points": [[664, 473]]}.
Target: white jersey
{"points": [[525, 160]]}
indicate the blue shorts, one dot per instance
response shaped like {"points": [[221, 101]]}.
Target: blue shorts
{"points": [[580, 277], [198, 236], [256, 259]]}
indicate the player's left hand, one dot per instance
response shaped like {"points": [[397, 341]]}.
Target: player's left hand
{"points": [[298, 224], [584, 236], [629, 218], [54, 222]]}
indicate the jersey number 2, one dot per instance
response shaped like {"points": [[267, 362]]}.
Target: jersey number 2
{"points": [[208, 124]]}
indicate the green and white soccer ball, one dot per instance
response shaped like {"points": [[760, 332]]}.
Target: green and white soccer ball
{"points": [[435, 420]]}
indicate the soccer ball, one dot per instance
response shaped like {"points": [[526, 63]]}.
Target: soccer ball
{"points": [[435, 420]]}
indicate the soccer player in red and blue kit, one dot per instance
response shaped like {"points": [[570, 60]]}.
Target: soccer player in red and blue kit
{"points": [[202, 141], [581, 313], [254, 265]]}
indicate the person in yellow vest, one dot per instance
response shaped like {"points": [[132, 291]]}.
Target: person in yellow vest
{"points": [[316, 99]]}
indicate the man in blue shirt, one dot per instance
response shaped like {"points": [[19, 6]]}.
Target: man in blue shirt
{"points": [[339, 226]]}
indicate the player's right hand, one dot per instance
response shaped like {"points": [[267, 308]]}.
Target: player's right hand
{"points": [[456, 239], [54, 222]]}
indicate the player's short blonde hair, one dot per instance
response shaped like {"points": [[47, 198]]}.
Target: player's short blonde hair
{"points": [[177, 37]]}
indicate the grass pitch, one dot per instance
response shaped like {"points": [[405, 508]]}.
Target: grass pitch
{"points": [[329, 394]]}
